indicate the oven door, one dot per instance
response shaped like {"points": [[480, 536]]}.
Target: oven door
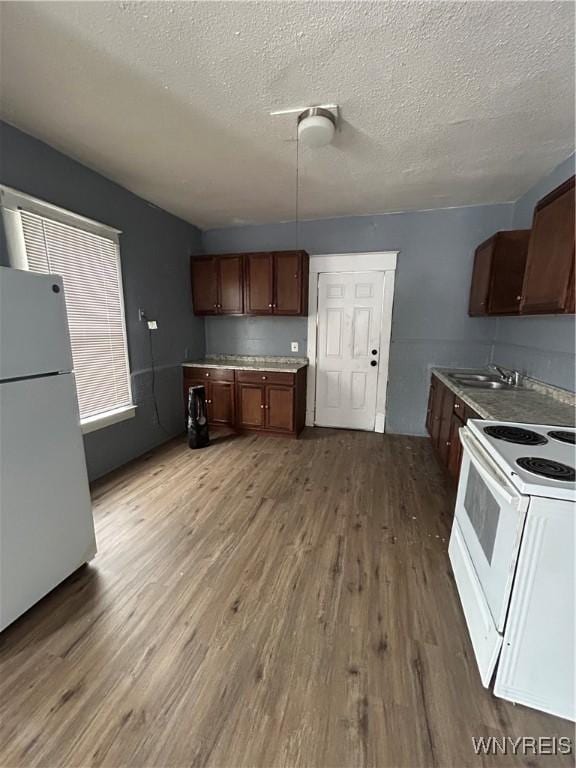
{"points": [[490, 513]]}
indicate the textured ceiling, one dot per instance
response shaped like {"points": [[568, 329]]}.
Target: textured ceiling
{"points": [[442, 103]]}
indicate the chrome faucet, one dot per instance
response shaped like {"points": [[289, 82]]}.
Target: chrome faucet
{"points": [[512, 378]]}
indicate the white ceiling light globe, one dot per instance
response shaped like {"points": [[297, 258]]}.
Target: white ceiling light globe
{"points": [[316, 127]]}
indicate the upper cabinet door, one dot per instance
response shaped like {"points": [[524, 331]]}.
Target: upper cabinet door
{"points": [[499, 265], [259, 283], [550, 264], [288, 283], [508, 267], [230, 283], [204, 274], [481, 278]]}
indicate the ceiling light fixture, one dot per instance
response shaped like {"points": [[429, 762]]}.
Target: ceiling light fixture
{"points": [[316, 127]]}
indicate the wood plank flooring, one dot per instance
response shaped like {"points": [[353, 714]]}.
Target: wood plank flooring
{"points": [[261, 602]]}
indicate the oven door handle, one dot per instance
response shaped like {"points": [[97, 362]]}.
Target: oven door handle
{"points": [[489, 472]]}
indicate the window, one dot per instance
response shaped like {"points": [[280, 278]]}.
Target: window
{"points": [[89, 263]]}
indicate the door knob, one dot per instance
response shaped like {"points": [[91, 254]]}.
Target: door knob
{"points": [[373, 363]]}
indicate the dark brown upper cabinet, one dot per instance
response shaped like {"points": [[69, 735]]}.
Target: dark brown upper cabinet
{"points": [[218, 284], [499, 265], [291, 283], [268, 283], [276, 283], [549, 277], [259, 283], [204, 275]]}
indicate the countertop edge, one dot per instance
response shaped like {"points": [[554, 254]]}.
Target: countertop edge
{"points": [[256, 366]]}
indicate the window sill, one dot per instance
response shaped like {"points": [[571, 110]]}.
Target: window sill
{"points": [[93, 423]]}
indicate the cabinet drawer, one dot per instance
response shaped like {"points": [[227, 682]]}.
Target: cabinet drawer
{"points": [[210, 374], [266, 377]]}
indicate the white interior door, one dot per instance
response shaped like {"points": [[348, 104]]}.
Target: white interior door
{"points": [[348, 348]]}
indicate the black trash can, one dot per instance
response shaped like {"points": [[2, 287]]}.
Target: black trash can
{"points": [[198, 436]]}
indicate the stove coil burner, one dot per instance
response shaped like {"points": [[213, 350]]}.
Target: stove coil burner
{"points": [[564, 437], [553, 470], [516, 435]]}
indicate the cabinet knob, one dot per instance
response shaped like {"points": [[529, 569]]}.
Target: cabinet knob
{"points": [[215, 306], [264, 378], [448, 443], [270, 305], [456, 406], [261, 406], [265, 406], [519, 298], [207, 374]]}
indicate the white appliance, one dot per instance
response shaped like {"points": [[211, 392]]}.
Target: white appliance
{"points": [[512, 550], [46, 525]]}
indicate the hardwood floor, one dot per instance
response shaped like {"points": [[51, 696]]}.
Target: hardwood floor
{"points": [[261, 602]]}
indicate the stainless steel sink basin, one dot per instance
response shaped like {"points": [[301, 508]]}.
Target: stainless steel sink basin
{"points": [[484, 384], [475, 377]]}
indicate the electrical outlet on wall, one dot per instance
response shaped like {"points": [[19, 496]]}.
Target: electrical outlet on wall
{"points": [[294, 346]]}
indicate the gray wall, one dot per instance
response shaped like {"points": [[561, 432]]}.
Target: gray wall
{"points": [[542, 347], [430, 322], [155, 249], [255, 335]]}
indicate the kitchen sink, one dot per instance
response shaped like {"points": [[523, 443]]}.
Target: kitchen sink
{"points": [[484, 384], [475, 377]]}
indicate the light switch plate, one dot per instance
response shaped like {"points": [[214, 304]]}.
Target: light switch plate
{"points": [[152, 325], [294, 346]]}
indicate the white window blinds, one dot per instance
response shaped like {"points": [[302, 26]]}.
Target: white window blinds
{"points": [[90, 268]]}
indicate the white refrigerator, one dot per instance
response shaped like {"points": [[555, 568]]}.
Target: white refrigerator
{"points": [[46, 524]]}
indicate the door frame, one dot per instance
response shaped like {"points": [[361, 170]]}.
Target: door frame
{"points": [[374, 261]]}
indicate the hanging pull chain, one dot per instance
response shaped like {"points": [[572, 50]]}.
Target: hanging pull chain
{"points": [[297, 201]]}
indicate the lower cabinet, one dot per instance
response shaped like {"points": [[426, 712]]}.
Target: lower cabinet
{"points": [[271, 402], [279, 408], [455, 447], [445, 416], [268, 402], [220, 397], [251, 406]]}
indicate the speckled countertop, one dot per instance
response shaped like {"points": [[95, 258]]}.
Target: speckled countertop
{"points": [[533, 403], [250, 363]]}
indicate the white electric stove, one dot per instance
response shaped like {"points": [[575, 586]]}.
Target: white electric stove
{"points": [[512, 550], [540, 461]]}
